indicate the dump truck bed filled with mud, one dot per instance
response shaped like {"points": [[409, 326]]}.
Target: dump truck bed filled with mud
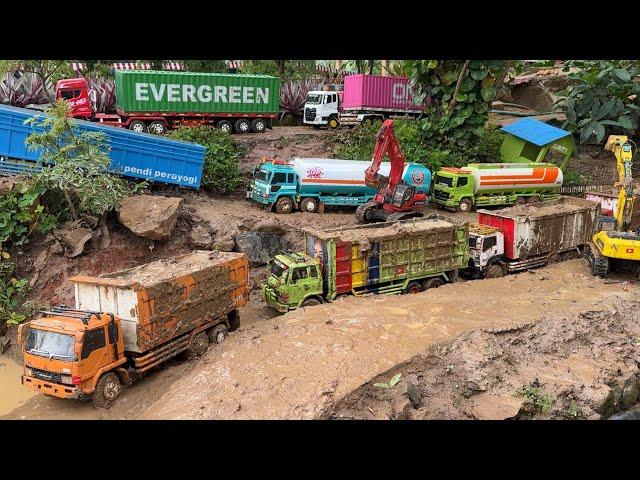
{"points": [[161, 300], [541, 228], [384, 255]]}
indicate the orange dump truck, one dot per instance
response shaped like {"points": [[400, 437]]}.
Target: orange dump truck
{"points": [[127, 322]]}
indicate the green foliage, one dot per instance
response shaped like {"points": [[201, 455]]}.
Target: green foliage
{"points": [[357, 144], [284, 69], [602, 99], [573, 411], [76, 164], [21, 214], [221, 171], [543, 402], [392, 383], [206, 66], [572, 178], [457, 95], [14, 307]]}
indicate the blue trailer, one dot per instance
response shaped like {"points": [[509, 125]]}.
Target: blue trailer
{"points": [[308, 184], [136, 155]]}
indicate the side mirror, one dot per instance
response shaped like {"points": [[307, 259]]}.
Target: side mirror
{"points": [[23, 331]]}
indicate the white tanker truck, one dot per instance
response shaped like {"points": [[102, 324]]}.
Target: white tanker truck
{"points": [[485, 184], [308, 184]]}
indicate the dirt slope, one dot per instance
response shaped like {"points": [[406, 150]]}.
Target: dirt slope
{"points": [[297, 365]]}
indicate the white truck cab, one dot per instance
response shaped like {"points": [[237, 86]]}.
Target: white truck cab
{"points": [[486, 251], [321, 108]]}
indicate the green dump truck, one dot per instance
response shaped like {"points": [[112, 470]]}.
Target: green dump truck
{"points": [[400, 257]]}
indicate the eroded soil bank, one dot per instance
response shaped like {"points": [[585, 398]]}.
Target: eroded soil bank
{"points": [[567, 366], [298, 365]]}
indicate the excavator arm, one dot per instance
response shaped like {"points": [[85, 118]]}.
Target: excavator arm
{"points": [[621, 148], [386, 143]]}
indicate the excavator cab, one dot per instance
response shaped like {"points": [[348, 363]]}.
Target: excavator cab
{"points": [[401, 195]]}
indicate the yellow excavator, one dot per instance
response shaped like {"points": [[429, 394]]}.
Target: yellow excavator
{"points": [[618, 248]]}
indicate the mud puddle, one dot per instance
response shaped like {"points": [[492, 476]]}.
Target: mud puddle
{"points": [[295, 365], [13, 394]]}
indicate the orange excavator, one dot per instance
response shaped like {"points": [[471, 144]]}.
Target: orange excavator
{"points": [[402, 192]]}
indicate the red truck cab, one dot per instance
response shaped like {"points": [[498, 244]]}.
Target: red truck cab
{"points": [[76, 92]]}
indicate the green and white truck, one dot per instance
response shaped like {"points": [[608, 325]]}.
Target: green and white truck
{"points": [[398, 257]]}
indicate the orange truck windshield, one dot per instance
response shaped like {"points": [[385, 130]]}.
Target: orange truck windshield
{"points": [[50, 344]]}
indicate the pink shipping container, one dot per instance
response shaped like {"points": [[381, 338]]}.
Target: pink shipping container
{"points": [[378, 93]]}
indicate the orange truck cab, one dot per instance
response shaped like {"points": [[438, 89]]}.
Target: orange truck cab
{"points": [[68, 352], [126, 323]]}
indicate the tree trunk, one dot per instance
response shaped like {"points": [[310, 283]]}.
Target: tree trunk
{"points": [[458, 83], [67, 197]]}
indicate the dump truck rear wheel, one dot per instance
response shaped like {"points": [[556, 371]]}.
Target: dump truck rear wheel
{"points": [[465, 205], [520, 201], [284, 205], [219, 333], [310, 302], [107, 390], [495, 271], [533, 199], [414, 287], [198, 346], [432, 283], [333, 123], [309, 205]]}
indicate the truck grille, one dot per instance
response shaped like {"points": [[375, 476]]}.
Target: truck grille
{"points": [[441, 195], [309, 114], [48, 376]]}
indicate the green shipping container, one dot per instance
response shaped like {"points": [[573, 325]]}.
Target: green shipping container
{"points": [[192, 92]]}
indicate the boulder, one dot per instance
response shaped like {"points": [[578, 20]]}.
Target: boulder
{"points": [[150, 216], [200, 238], [73, 236], [258, 246]]}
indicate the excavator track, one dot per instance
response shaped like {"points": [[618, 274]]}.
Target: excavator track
{"points": [[599, 263], [362, 212], [394, 217]]}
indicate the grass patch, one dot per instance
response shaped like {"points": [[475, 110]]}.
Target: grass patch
{"points": [[543, 402]]}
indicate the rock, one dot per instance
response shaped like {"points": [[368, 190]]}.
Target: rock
{"points": [[73, 238], [489, 406], [8, 183], [629, 393], [200, 237], [226, 245], [414, 394], [4, 343], [150, 216], [258, 246]]}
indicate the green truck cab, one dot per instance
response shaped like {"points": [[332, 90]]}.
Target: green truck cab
{"points": [[386, 258]]}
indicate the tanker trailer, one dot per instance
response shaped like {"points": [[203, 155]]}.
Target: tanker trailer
{"points": [[486, 184], [308, 184]]}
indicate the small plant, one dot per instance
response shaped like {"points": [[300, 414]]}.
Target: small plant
{"points": [[392, 383], [573, 411], [542, 401], [293, 95], [13, 294], [221, 171], [76, 164], [572, 178], [636, 342]]}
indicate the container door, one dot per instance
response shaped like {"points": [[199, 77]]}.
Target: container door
{"points": [[343, 267], [358, 266]]}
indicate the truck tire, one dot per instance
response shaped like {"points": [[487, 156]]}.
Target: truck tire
{"points": [[138, 126], [465, 205], [533, 199], [242, 125], [309, 205], [310, 302], [333, 123], [219, 333], [284, 205], [496, 270], [433, 282], [520, 201], [234, 320], [225, 126], [413, 287], [258, 125], [157, 128], [198, 346], [107, 390]]}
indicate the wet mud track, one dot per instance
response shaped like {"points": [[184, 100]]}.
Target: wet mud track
{"points": [[295, 366]]}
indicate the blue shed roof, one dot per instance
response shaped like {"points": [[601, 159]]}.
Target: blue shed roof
{"points": [[535, 131]]}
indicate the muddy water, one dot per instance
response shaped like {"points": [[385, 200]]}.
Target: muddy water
{"points": [[12, 393], [294, 365]]}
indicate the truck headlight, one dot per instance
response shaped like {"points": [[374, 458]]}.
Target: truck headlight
{"points": [[66, 379], [28, 372], [283, 297], [318, 119]]}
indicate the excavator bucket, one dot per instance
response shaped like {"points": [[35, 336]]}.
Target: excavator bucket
{"points": [[378, 182]]}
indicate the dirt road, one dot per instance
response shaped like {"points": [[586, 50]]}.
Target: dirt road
{"points": [[296, 365]]}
